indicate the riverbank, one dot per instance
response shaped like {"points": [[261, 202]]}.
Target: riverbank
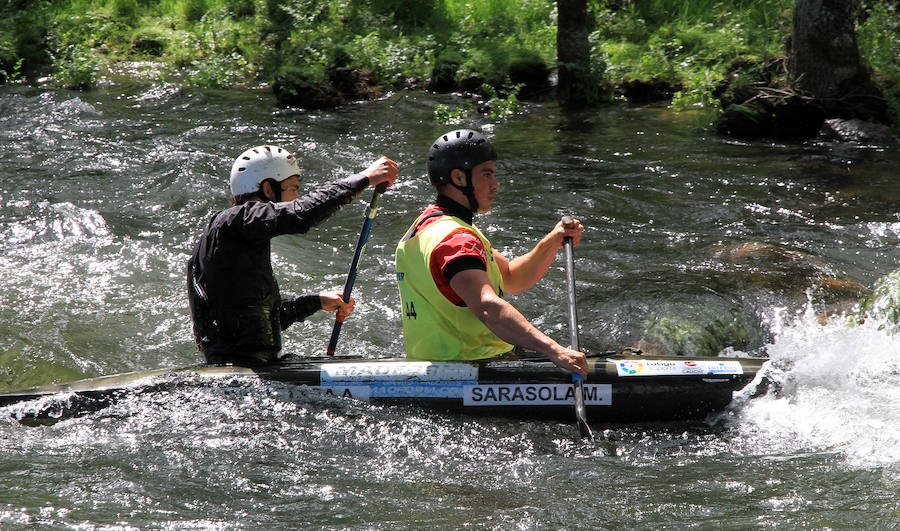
{"points": [[320, 54]]}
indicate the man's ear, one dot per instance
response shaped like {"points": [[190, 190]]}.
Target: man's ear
{"points": [[266, 188], [458, 177]]}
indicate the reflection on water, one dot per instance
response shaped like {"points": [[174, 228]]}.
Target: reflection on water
{"points": [[694, 245]]}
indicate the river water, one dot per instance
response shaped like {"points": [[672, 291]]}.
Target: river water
{"points": [[694, 245]]}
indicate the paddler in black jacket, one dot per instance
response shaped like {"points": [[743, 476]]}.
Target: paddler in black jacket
{"points": [[236, 308]]}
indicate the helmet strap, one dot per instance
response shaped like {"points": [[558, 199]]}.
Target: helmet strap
{"points": [[468, 190]]}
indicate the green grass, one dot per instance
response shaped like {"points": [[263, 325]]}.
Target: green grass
{"points": [[226, 43], [689, 43]]}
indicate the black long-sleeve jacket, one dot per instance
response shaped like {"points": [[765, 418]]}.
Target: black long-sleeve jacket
{"points": [[236, 308]]}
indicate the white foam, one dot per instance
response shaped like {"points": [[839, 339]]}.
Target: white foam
{"points": [[839, 391]]}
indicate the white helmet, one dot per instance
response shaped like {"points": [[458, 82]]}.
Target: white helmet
{"points": [[258, 164]]}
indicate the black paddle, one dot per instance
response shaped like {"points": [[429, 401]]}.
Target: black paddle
{"points": [[577, 380], [371, 210]]}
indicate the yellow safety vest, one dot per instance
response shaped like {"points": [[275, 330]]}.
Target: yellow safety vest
{"points": [[433, 327]]}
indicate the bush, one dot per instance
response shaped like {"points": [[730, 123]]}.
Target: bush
{"points": [[8, 57], [125, 11], [195, 9], [409, 14], [32, 45], [529, 70], [77, 69], [443, 71], [880, 48], [304, 87], [388, 60], [149, 41], [240, 8]]}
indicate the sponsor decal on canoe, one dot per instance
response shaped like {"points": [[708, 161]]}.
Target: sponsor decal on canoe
{"points": [[677, 367], [449, 390], [534, 394], [405, 371]]}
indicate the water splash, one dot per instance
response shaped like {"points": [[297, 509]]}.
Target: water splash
{"points": [[835, 388]]}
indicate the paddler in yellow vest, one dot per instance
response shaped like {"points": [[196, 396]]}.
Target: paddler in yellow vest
{"points": [[452, 281]]}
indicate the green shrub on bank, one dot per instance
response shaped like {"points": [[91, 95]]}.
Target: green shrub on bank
{"points": [[686, 45], [879, 42], [77, 68], [398, 41], [8, 57], [125, 11], [194, 10], [24, 38], [150, 41]]}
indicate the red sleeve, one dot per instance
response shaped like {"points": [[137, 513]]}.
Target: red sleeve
{"points": [[459, 244]]}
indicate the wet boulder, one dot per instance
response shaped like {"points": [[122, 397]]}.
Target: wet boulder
{"points": [[859, 131], [355, 84], [312, 88], [883, 304], [776, 116]]}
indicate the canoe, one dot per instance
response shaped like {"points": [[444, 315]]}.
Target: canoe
{"points": [[620, 388]]}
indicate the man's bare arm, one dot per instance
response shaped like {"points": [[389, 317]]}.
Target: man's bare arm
{"points": [[502, 318]]}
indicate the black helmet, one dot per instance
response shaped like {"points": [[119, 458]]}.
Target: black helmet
{"points": [[462, 149]]}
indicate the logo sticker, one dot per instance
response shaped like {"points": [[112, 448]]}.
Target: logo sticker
{"points": [[677, 367]]}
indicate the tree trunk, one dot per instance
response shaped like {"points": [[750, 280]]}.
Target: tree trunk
{"points": [[824, 60], [573, 52]]}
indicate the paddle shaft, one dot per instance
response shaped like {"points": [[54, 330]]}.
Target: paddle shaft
{"points": [[570, 292], [577, 380], [364, 232]]}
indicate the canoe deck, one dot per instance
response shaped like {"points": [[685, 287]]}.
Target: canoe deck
{"points": [[619, 388]]}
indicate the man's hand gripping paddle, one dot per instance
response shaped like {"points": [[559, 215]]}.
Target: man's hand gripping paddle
{"points": [[577, 380], [371, 210]]}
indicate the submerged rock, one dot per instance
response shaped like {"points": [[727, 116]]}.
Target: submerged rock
{"points": [[707, 333], [780, 277], [799, 278]]}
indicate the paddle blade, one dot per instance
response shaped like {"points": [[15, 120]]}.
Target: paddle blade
{"points": [[580, 412]]}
